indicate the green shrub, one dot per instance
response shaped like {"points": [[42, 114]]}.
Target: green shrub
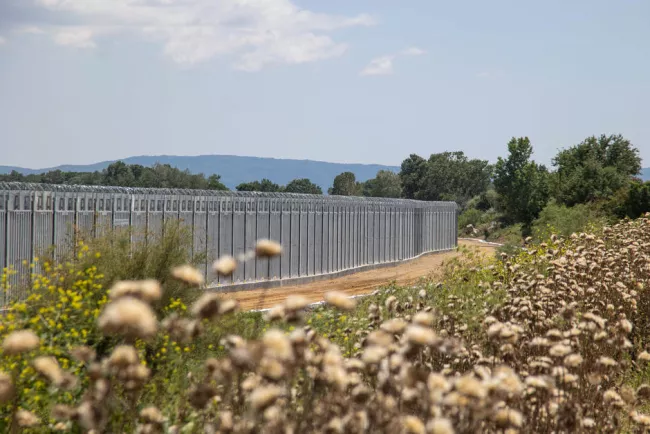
{"points": [[563, 220]]}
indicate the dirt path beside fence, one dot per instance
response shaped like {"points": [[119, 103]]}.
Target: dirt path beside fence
{"points": [[363, 282]]}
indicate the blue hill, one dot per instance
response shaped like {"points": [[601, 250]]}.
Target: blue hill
{"points": [[645, 174], [235, 170]]}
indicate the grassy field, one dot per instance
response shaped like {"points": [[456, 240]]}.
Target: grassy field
{"points": [[551, 338]]}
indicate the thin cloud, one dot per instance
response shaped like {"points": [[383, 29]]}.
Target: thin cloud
{"points": [[3, 41], [255, 34], [384, 65], [379, 66], [413, 51]]}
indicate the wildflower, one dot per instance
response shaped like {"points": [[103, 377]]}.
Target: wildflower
{"points": [[340, 300], [20, 341], [129, 317], [188, 274], [225, 265], [26, 419], [267, 248]]}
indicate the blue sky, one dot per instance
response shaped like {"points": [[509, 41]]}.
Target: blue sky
{"points": [[367, 81]]}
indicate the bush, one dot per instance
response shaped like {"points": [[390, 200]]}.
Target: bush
{"points": [[563, 220]]}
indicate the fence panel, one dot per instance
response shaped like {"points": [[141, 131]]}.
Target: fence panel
{"points": [[239, 236], [262, 224], [275, 234], [319, 235], [224, 235], [19, 241], [285, 239]]}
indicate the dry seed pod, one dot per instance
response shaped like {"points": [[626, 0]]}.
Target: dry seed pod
{"points": [[340, 300], [267, 248], [188, 274], [129, 317], [20, 341], [225, 265], [6, 388]]}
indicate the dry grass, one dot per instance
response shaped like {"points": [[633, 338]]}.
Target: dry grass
{"points": [[550, 340]]}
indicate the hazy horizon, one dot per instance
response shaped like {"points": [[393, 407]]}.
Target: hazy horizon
{"points": [[368, 82]]}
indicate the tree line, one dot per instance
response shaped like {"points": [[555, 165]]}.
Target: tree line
{"points": [[599, 171]]}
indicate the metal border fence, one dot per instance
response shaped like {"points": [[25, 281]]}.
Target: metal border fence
{"points": [[320, 234]]}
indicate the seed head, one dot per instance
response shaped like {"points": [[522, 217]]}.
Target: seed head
{"points": [[148, 290], [207, 306], [129, 317], [6, 388], [413, 425], [267, 248], [295, 302], [573, 360], [49, 368], [418, 335], [225, 265], [20, 341], [26, 419], [262, 397], [188, 274], [340, 300], [278, 345], [440, 425], [644, 357]]}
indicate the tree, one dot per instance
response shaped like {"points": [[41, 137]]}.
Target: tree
{"points": [[302, 185], [119, 174], [266, 185], [632, 202], [412, 173], [345, 184], [385, 184], [214, 183], [594, 169], [521, 183], [452, 176]]}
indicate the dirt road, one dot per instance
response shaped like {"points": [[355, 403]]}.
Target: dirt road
{"points": [[355, 284]]}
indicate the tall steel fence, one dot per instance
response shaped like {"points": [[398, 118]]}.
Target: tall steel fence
{"points": [[319, 234]]}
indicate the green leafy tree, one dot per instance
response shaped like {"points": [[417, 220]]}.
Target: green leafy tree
{"points": [[345, 184], [521, 183], [214, 183], [594, 169], [453, 176], [265, 185], [304, 186], [385, 184], [412, 173]]}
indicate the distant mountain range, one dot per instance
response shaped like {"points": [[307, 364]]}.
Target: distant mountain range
{"points": [[645, 174], [234, 170]]}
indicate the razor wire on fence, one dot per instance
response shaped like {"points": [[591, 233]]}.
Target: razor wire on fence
{"points": [[319, 234]]}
